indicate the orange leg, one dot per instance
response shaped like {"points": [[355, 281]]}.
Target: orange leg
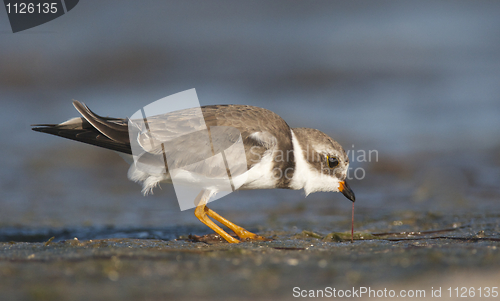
{"points": [[202, 211], [241, 232]]}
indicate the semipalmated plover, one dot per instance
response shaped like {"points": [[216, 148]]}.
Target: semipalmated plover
{"points": [[277, 156]]}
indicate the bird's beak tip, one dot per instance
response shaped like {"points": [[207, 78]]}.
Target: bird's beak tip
{"points": [[347, 191]]}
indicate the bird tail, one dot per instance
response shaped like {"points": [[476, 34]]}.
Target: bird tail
{"points": [[110, 133]]}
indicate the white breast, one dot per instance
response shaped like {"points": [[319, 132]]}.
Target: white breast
{"points": [[261, 175]]}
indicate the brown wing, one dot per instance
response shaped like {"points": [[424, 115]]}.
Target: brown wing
{"points": [[250, 120], [112, 133]]}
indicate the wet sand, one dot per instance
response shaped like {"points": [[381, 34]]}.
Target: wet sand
{"points": [[151, 269]]}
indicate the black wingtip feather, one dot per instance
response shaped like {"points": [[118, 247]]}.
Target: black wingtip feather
{"points": [[88, 135]]}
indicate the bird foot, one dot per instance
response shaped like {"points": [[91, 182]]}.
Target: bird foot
{"points": [[209, 238], [249, 236]]}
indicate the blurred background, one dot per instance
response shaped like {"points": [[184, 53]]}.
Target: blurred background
{"points": [[417, 82]]}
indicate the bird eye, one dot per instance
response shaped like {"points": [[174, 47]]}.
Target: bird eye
{"points": [[332, 162]]}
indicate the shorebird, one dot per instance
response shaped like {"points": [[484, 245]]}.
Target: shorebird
{"points": [[277, 156]]}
